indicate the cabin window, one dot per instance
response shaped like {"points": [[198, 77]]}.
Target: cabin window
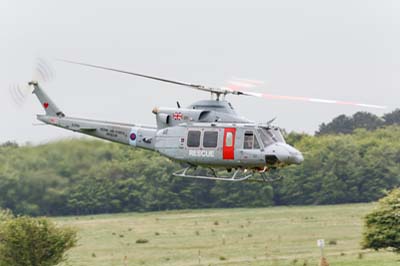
{"points": [[250, 141], [193, 139], [210, 139], [229, 139]]}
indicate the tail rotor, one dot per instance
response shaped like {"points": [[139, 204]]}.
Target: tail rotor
{"points": [[42, 72]]}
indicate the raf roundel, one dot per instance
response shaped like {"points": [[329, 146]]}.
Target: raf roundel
{"points": [[45, 105], [133, 135]]}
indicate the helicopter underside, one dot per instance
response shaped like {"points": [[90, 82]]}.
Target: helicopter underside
{"points": [[236, 175]]}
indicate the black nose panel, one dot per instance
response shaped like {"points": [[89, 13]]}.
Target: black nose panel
{"points": [[271, 159]]}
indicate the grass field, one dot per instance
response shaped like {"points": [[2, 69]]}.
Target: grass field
{"points": [[267, 236]]}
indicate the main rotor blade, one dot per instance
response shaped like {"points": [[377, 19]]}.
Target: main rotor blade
{"points": [[315, 100], [136, 74], [226, 90]]}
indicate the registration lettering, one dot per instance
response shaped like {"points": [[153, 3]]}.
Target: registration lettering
{"points": [[201, 153]]}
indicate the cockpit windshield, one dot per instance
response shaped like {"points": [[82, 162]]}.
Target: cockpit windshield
{"points": [[265, 137], [270, 135], [277, 134]]}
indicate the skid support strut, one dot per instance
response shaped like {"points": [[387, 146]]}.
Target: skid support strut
{"points": [[237, 176]]}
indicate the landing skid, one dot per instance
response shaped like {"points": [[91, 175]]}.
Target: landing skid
{"points": [[237, 176]]}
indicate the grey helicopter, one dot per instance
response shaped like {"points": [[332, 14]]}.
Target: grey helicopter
{"points": [[207, 137]]}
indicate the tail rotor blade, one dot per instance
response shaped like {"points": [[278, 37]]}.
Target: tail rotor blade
{"points": [[43, 72], [19, 93], [14, 96]]}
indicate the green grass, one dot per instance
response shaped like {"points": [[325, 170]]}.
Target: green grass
{"points": [[267, 236]]}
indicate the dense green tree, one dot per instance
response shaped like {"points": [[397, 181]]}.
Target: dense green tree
{"points": [[91, 176], [340, 124], [366, 120], [346, 125], [382, 226], [26, 241], [342, 169], [392, 118], [12, 144]]}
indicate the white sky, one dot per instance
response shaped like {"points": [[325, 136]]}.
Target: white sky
{"points": [[343, 49]]}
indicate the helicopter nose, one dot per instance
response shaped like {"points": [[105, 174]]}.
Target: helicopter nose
{"points": [[297, 157], [284, 153]]}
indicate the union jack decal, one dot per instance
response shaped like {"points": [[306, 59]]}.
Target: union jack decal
{"points": [[177, 116]]}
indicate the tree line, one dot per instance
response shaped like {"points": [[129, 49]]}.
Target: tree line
{"points": [[81, 176], [347, 124]]}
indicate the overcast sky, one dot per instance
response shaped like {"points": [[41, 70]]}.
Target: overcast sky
{"points": [[345, 50]]}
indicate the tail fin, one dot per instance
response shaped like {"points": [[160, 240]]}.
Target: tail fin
{"points": [[49, 106]]}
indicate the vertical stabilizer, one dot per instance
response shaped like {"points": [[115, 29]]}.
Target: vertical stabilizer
{"points": [[48, 105]]}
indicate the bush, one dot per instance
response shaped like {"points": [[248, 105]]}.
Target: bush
{"points": [[26, 241], [142, 241], [382, 226], [332, 242]]}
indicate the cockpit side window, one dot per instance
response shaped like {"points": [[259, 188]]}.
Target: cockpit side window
{"points": [[250, 141]]}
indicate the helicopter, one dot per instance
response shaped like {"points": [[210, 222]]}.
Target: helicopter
{"points": [[207, 137]]}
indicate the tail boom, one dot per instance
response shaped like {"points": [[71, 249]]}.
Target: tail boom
{"points": [[130, 134]]}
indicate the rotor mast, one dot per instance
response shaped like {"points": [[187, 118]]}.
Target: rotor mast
{"points": [[217, 95]]}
